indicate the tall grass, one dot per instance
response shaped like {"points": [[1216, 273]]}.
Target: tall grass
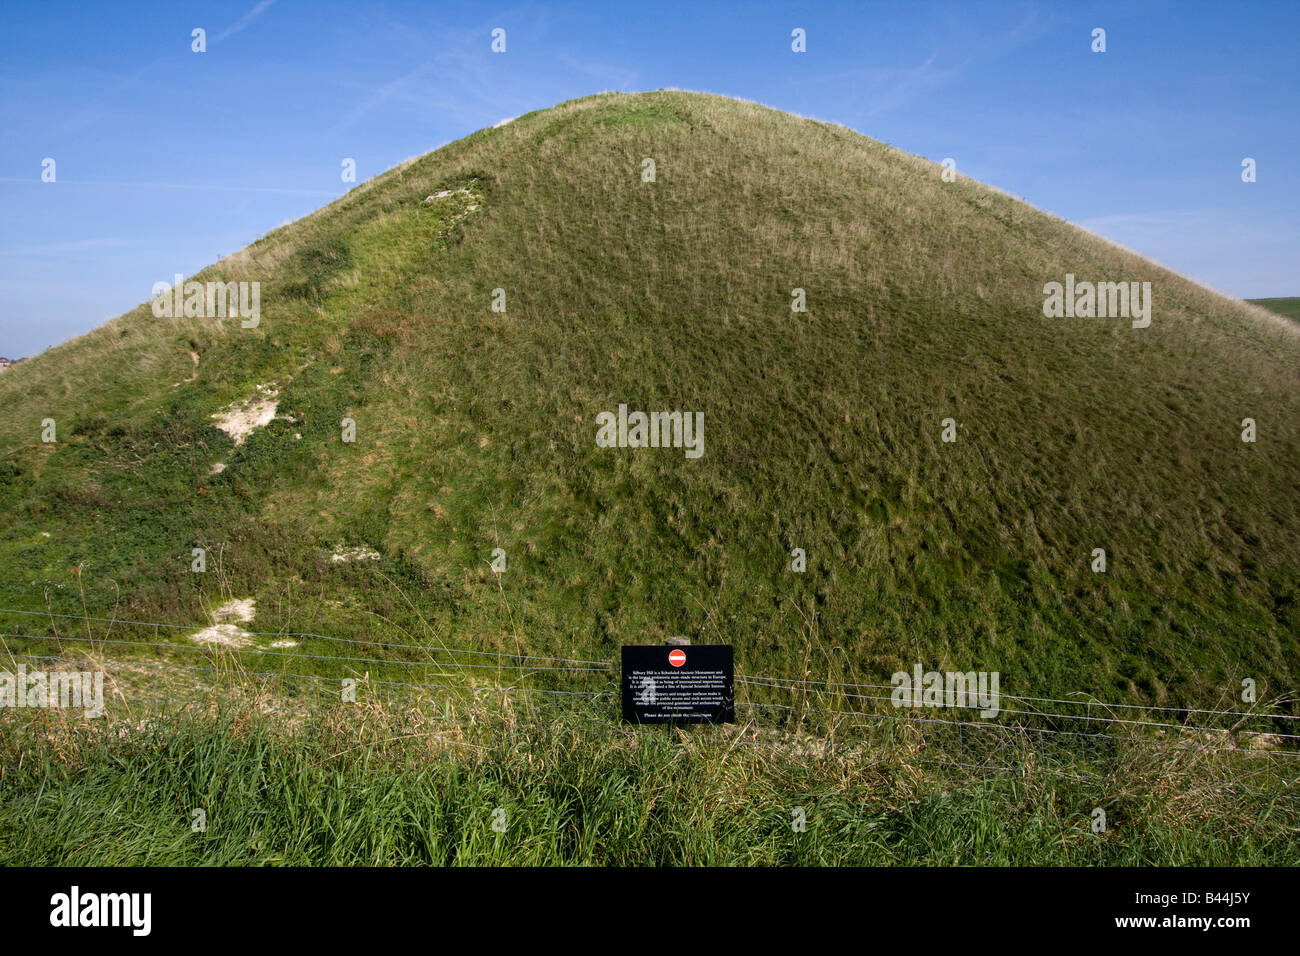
{"points": [[373, 784]]}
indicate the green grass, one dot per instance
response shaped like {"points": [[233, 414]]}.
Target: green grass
{"points": [[475, 429], [1288, 306], [364, 785]]}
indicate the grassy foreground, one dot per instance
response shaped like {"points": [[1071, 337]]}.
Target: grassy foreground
{"points": [[380, 784]]}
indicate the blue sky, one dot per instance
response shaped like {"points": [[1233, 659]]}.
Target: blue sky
{"points": [[168, 159]]}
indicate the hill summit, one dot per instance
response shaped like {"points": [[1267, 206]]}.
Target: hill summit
{"points": [[669, 363]]}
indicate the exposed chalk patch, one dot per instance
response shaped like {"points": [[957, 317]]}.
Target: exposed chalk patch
{"points": [[240, 419], [448, 192], [360, 553], [225, 635], [223, 632], [236, 609]]}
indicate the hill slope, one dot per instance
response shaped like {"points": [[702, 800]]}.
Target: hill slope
{"points": [[476, 429]]}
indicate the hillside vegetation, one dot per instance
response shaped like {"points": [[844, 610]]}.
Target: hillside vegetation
{"points": [[543, 784], [475, 429], [1287, 305]]}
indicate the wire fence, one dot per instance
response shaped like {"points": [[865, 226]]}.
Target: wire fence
{"points": [[441, 673]]}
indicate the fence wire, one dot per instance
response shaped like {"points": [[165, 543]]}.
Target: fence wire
{"points": [[1044, 724]]}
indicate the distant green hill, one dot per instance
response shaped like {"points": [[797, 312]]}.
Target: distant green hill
{"points": [[1289, 306], [476, 429]]}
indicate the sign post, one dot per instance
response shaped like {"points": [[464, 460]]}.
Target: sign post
{"points": [[679, 683]]}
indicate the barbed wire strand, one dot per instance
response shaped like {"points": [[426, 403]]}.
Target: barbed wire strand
{"points": [[304, 634], [606, 666]]}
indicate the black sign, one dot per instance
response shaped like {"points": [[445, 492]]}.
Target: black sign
{"points": [[687, 684]]}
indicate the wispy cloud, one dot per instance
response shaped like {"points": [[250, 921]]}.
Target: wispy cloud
{"points": [[219, 187], [244, 21], [612, 77], [89, 114], [458, 78], [888, 89], [68, 248], [895, 89], [1182, 228], [381, 96], [1191, 241]]}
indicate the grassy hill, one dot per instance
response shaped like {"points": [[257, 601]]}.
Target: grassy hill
{"points": [[475, 429]]}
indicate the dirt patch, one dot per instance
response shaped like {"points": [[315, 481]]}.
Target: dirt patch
{"points": [[195, 357], [240, 419], [236, 609], [447, 193], [354, 554], [455, 205], [225, 630], [224, 635]]}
